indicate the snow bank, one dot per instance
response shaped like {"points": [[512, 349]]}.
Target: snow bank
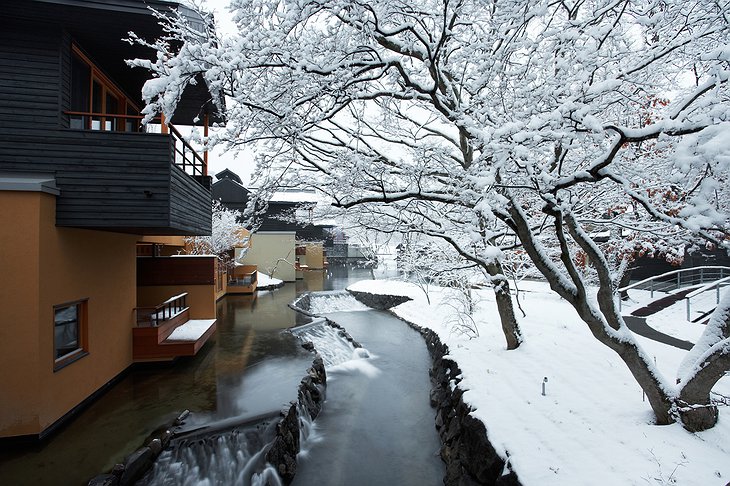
{"points": [[266, 281], [592, 426]]}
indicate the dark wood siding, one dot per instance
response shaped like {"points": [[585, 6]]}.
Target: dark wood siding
{"points": [[175, 270], [64, 95], [111, 180], [29, 75], [108, 180], [190, 203]]}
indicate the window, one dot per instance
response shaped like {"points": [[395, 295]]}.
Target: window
{"points": [[96, 102], [69, 333]]}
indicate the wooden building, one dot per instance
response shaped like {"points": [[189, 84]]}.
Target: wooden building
{"points": [[82, 183]]}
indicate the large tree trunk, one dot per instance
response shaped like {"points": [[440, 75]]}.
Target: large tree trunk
{"points": [[624, 281], [705, 364], [604, 323], [510, 326]]}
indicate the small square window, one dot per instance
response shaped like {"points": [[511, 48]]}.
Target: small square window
{"points": [[69, 333]]}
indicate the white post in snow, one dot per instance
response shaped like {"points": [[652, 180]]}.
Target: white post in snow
{"points": [[544, 380]]}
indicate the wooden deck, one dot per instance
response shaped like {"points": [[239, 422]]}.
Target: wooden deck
{"points": [[179, 336]]}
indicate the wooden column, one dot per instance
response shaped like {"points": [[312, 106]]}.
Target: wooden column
{"points": [[205, 149]]}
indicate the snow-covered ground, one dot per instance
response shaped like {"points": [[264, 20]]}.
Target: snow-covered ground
{"points": [[264, 281], [592, 426]]}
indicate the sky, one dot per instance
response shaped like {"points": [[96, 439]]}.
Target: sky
{"points": [[242, 163]]}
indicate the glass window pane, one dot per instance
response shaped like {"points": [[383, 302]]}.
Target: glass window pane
{"points": [[80, 75], [96, 98], [66, 330]]}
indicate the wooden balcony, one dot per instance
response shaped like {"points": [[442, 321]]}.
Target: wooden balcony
{"points": [[131, 182], [243, 280], [166, 332]]}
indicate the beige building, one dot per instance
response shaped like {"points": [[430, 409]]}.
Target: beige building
{"points": [[274, 254]]}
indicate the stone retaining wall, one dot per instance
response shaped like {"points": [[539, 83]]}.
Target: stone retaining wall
{"points": [[380, 302], [310, 397], [465, 448]]}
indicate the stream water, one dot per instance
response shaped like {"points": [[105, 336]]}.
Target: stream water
{"points": [[235, 387], [376, 426]]}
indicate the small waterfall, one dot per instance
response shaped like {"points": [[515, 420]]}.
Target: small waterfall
{"points": [[329, 342], [307, 430], [230, 453], [327, 302], [233, 457]]}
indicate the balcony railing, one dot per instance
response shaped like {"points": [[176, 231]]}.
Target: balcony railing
{"points": [[182, 154], [245, 280], [185, 156], [154, 316]]}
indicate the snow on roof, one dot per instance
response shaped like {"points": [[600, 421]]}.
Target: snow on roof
{"points": [[296, 197]]}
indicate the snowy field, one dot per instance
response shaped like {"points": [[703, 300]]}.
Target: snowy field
{"points": [[592, 426]]}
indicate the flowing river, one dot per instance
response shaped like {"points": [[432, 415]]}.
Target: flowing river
{"points": [[375, 428]]}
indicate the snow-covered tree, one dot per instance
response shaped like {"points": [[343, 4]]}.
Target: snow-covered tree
{"points": [[492, 120], [226, 235]]}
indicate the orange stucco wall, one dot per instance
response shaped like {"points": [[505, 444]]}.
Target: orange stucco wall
{"points": [[42, 266], [19, 300], [165, 240]]}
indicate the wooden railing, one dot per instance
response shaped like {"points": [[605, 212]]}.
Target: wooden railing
{"points": [[185, 156], [182, 154], [154, 316]]}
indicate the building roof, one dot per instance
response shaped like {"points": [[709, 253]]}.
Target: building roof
{"points": [[296, 196], [100, 27], [228, 174]]}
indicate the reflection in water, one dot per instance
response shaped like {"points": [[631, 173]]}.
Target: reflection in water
{"points": [[226, 378]]}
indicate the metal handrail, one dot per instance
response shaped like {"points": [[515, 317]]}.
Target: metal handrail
{"points": [[673, 272], [661, 283], [713, 285]]}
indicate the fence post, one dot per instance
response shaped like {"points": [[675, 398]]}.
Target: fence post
{"points": [[652, 290], [688, 310]]}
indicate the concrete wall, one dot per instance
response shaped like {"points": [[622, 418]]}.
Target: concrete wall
{"points": [[43, 266], [314, 257], [273, 251]]}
